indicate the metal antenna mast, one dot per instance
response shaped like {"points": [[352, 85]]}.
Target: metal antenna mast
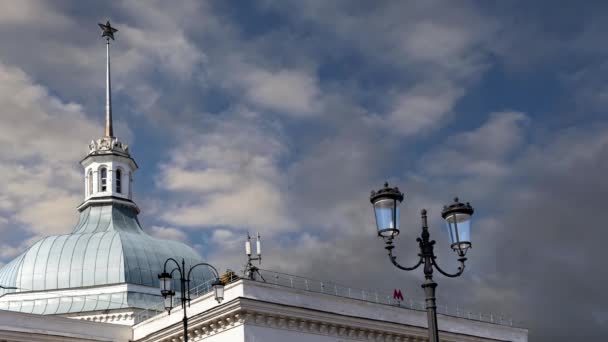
{"points": [[250, 269]]}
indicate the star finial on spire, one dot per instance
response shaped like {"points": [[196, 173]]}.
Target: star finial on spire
{"points": [[108, 30]]}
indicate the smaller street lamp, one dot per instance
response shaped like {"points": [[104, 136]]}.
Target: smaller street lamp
{"points": [[166, 281], [218, 288], [166, 291], [458, 221]]}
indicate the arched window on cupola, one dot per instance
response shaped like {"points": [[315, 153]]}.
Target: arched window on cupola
{"points": [[118, 181], [130, 185], [103, 179], [90, 182]]}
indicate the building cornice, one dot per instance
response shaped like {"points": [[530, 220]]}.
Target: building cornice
{"points": [[80, 291], [42, 336], [24, 327], [244, 311], [102, 156], [114, 316], [105, 200]]}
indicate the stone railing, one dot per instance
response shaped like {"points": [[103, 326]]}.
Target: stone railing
{"points": [[374, 296]]}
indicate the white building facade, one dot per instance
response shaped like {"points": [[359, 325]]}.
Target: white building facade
{"points": [[258, 311], [254, 311]]}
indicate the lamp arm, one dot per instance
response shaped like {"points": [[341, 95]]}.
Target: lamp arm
{"points": [[217, 275], [176, 264], [394, 261], [450, 275]]}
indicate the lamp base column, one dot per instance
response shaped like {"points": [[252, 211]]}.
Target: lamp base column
{"points": [[431, 309]]}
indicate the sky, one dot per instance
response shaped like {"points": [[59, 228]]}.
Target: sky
{"points": [[282, 116]]}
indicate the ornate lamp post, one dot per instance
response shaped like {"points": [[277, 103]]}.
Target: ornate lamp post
{"points": [[166, 279], [458, 220]]}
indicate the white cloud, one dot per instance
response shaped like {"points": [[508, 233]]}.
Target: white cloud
{"points": [[168, 50], [168, 233], [500, 135], [436, 42], [257, 205], [224, 239], [35, 124], [227, 177], [53, 213], [289, 92], [588, 86], [208, 180], [438, 49], [41, 140], [455, 46], [9, 252], [482, 152], [222, 235], [423, 108], [149, 38], [31, 10]]}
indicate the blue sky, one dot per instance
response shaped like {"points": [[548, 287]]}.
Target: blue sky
{"points": [[281, 116]]}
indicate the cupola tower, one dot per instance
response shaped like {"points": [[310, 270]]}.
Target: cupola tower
{"points": [[108, 167]]}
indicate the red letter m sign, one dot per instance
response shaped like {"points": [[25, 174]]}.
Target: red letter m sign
{"points": [[397, 295]]}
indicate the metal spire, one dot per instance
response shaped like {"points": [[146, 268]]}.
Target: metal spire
{"points": [[108, 32]]}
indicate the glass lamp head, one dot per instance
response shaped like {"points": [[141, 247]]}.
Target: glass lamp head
{"points": [[457, 217], [386, 210], [218, 288], [168, 300], [165, 281]]}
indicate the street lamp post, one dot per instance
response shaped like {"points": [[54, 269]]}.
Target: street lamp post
{"points": [[458, 221], [166, 279]]}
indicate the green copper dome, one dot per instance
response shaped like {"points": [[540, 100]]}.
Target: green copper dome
{"points": [[107, 247], [108, 262]]}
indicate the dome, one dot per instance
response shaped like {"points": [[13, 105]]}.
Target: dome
{"points": [[108, 262], [107, 247]]}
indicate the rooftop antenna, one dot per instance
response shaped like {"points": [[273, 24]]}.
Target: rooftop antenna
{"points": [[250, 269]]}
